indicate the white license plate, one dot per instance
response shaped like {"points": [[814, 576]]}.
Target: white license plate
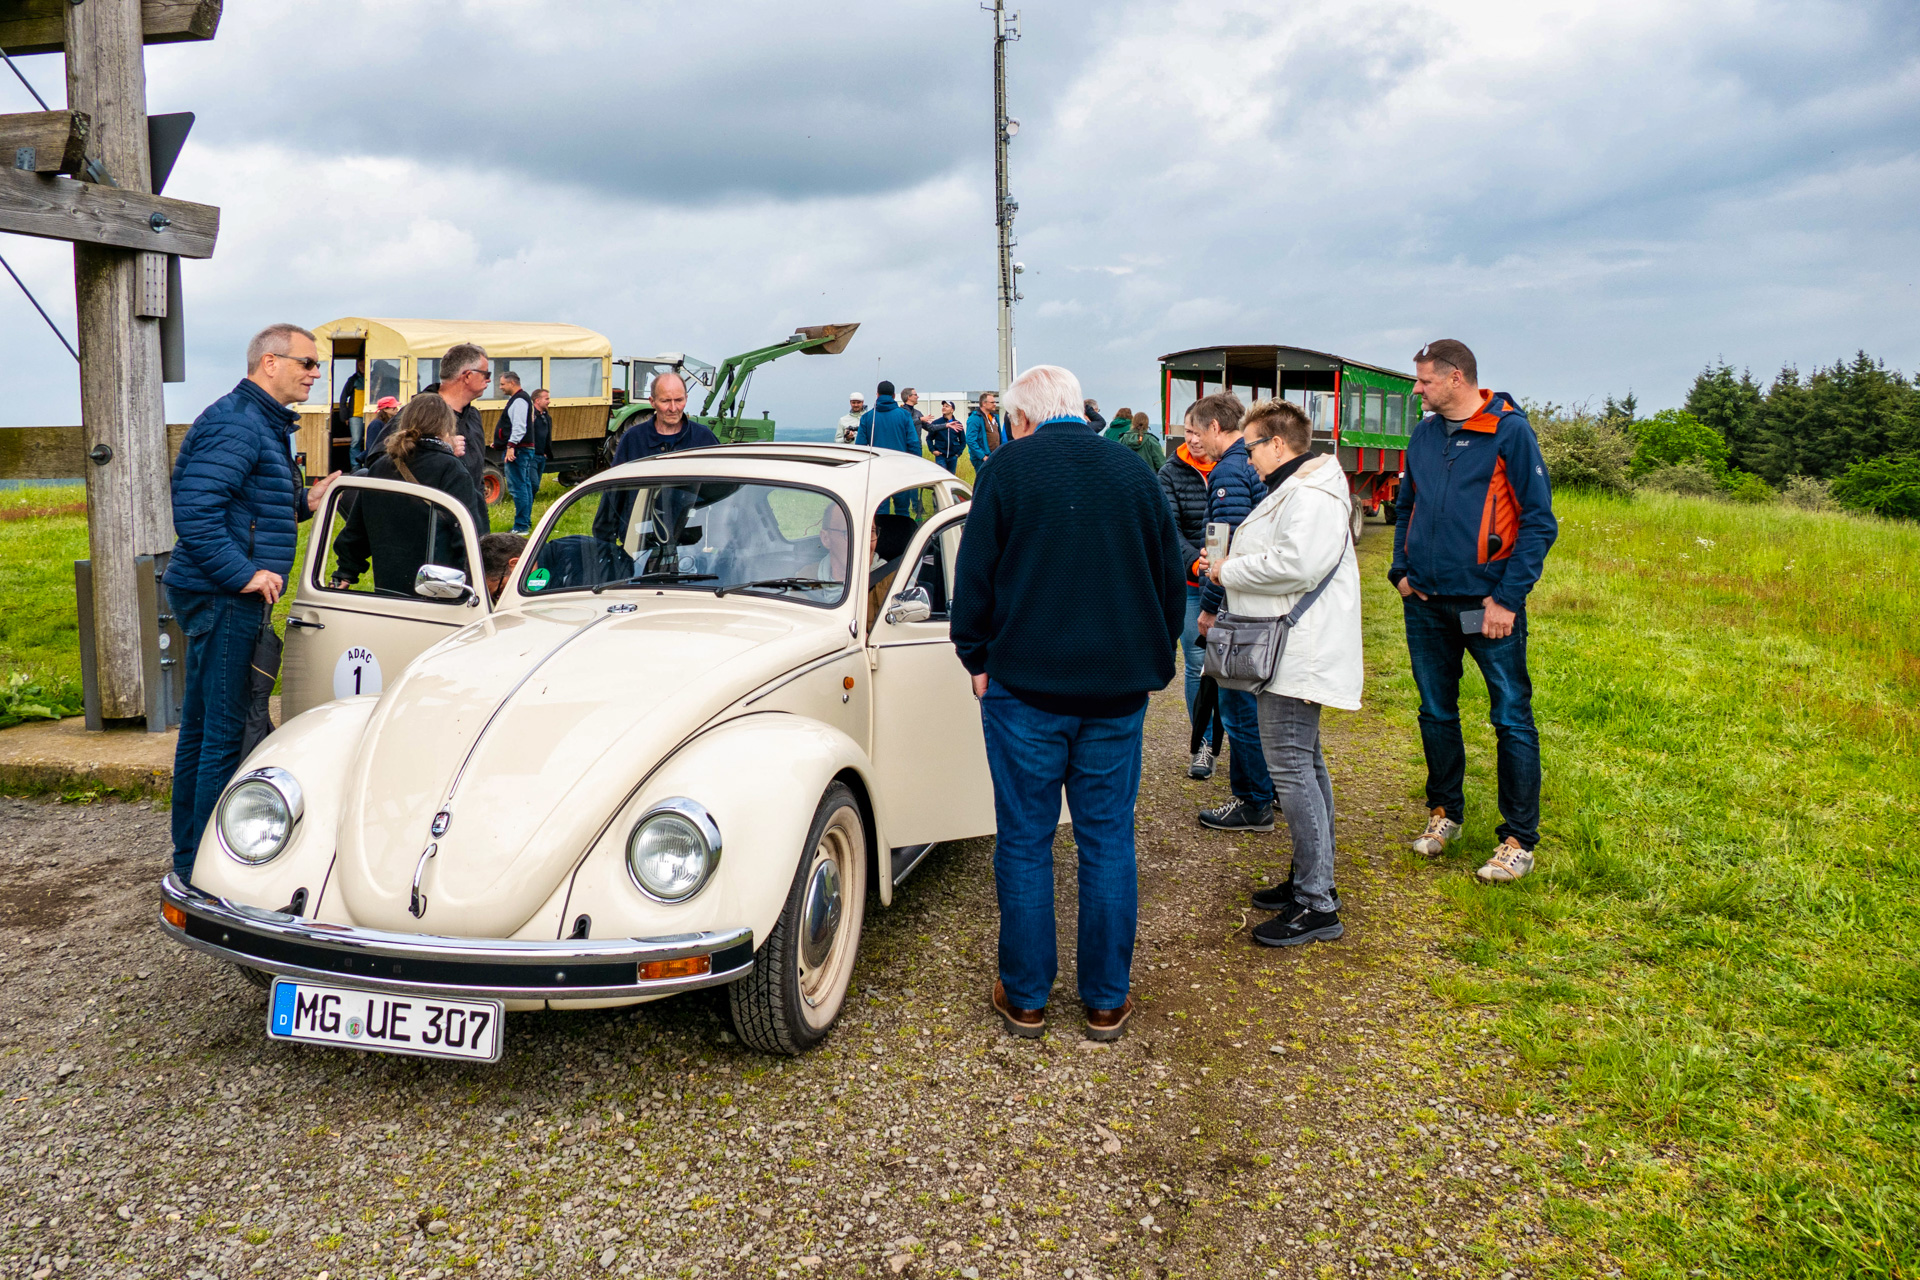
{"points": [[427, 1026]]}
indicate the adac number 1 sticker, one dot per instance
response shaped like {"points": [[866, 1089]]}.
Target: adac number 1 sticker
{"points": [[357, 672]]}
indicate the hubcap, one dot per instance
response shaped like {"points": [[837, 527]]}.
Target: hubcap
{"points": [[820, 918]]}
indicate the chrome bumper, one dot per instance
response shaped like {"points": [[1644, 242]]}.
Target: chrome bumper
{"points": [[426, 964]]}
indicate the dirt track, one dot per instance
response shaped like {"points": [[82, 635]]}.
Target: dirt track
{"points": [[1299, 1113]]}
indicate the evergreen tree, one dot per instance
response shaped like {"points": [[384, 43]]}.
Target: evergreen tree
{"points": [[1730, 406], [1857, 410], [1623, 413], [1779, 426]]}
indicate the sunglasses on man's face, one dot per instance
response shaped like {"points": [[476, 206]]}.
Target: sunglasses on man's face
{"points": [[305, 362]]}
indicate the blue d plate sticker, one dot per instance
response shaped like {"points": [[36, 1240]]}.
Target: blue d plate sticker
{"points": [[538, 579]]}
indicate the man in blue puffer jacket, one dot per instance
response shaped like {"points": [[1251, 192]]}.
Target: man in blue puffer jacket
{"points": [[1234, 489], [892, 425], [237, 508]]}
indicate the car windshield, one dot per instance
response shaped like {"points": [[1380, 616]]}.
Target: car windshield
{"points": [[697, 535]]}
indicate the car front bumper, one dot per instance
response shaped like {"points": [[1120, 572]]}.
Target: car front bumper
{"points": [[427, 964]]}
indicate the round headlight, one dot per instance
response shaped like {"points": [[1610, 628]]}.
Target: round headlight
{"points": [[258, 814], [673, 849]]}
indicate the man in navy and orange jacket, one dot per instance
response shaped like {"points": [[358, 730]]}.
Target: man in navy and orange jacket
{"points": [[1474, 525]]}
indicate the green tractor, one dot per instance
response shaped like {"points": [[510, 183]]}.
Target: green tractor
{"points": [[724, 410]]}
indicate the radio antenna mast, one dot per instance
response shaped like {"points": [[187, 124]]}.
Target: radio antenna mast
{"points": [[1005, 31]]}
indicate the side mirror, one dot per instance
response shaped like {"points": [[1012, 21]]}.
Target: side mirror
{"points": [[911, 605], [438, 582]]}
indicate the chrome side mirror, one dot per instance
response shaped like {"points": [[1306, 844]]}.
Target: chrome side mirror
{"points": [[911, 605], [438, 582]]}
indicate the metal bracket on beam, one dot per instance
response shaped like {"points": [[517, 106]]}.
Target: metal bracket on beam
{"points": [[63, 209]]}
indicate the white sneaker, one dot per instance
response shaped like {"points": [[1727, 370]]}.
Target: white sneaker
{"points": [[1440, 829], [1508, 863]]}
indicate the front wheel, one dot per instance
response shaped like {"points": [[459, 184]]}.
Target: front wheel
{"points": [[493, 483], [793, 995], [1359, 517]]}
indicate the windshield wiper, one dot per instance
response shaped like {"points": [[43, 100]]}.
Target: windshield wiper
{"points": [[658, 575], [784, 584]]}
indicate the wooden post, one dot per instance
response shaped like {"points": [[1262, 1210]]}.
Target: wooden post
{"points": [[129, 511]]}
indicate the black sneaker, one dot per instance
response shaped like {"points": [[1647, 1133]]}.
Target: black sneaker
{"points": [[1299, 926], [1202, 765], [1237, 815], [1280, 897]]}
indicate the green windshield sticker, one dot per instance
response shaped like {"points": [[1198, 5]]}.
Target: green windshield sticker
{"points": [[538, 579]]}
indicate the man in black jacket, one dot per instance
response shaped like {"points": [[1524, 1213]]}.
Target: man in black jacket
{"points": [[1069, 596], [465, 372], [1183, 478], [667, 430]]}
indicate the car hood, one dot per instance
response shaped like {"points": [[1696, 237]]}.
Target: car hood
{"points": [[530, 730]]}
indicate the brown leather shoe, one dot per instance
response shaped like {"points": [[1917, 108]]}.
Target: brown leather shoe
{"points": [[1028, 1024], [1109, 1024]]}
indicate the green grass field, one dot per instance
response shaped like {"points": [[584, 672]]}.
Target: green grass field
{"points": [[1714, 966]]}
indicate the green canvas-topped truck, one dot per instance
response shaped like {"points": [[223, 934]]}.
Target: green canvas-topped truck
{"points": [[724, 409]]}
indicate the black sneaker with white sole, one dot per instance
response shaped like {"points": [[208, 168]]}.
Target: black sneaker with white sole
{"points": [[1202, 764], [1280, 897], [1237, 815], [1299, 926]]}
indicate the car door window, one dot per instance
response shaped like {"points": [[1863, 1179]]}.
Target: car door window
{"points": [[379, 539]]}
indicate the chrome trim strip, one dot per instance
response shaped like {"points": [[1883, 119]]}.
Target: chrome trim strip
{"points": [[797, 672], [377, 944]]}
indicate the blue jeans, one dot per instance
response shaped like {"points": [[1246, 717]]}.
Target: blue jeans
{"points": [[1435, 645], [1290, 734], [523, 481], [1246, 763], [1032, 755], [1193, 656], [220, 631]]}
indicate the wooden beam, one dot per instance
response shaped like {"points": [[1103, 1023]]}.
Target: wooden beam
{"points": [[60, 453], [39, 26], [64, 209], [44, 141]]}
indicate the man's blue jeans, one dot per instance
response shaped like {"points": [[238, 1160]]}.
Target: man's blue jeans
{"points": [[1192, 655], [221, 630], [1246, 763], [1435, 644], [1033, 755], [523, 481]]}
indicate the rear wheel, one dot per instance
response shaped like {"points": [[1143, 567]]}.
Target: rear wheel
{"points": [[1389, 512], [492, 484], [1359, 517], [793, 995]]}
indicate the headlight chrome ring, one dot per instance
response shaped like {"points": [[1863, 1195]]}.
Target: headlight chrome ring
{"points": [[673, 849], [258, 815]]}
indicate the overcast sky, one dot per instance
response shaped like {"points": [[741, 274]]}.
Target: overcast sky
{"points": [[1596, 196]]}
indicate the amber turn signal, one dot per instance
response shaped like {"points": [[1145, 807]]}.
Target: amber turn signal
{"points": [[173, 915], [684, 967], [847, 683]]}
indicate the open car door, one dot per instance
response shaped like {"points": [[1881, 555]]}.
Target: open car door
{"points": [[929, 754], [391, 569]]}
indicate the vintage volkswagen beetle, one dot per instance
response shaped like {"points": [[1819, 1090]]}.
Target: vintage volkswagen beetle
{"points": [[672, 755]]}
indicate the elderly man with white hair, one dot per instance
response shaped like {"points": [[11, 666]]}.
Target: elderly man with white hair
{"points": [[1069, 597]]}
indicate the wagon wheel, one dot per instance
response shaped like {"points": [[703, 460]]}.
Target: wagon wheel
{"points": [[1359, 517], [492, 485], [793, 995]]}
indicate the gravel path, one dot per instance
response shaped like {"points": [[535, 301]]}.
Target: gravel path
{"points": [[1302, 1113]]}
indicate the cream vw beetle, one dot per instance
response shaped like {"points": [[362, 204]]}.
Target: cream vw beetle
{"points": [[699, 718]]}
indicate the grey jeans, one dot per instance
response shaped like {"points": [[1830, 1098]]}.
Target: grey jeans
{"points": [[1290, 738]]}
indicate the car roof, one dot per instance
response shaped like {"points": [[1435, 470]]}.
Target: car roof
{"points": [[851, 471]]}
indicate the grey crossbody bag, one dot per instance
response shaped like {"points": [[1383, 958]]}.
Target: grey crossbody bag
{"points": [[1243, 652]]}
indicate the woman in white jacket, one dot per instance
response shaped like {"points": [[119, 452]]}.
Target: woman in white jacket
{"points": [[1290, 543]]}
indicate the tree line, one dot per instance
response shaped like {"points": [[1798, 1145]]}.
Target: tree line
{"points": [[1847, 434]]}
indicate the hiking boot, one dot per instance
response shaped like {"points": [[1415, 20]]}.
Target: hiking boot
{"points": [[1028, 1024], [1109, 1024], [1440, 829], [1280, 897], [1299, 926], [1202, 766], [1237, 815], [1508, 863]]}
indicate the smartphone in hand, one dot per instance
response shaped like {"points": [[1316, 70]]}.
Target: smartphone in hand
{"points": [[1473, 621]]}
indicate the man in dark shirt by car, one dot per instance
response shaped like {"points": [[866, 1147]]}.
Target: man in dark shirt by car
{"points": [[666, 430]]}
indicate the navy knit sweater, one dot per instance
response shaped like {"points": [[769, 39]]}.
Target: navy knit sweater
{"points": [[1069, 589]]}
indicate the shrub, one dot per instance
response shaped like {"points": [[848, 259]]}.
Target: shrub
{"points": [[24, 698], [1744, 486], [1809, 493], [1689, 478], [1582, 450], [1882, 487], [1674, 436]]}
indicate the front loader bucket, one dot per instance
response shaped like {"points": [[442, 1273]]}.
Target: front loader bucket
{"points": [[837, 335]]}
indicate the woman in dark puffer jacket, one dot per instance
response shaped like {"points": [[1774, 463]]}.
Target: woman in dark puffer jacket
{"points": [[399, 534]]}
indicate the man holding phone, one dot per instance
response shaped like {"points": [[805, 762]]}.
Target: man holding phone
{"points": [[1475, 523]]}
